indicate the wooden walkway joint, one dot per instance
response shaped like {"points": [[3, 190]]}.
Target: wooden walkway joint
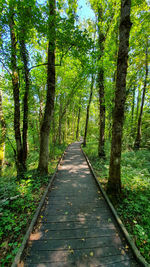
{"points": [[76, 226]]}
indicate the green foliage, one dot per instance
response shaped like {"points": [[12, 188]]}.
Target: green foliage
{"points": [[77, 57]]}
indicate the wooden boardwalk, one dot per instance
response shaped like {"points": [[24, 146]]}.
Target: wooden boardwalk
{"points": [[77, 228]]}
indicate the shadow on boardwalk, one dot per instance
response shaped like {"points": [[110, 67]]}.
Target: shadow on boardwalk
{"points": [[76, 226]]}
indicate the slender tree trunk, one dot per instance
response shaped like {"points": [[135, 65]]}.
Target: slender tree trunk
{"points": [[15, 83], [138, 104], [78, 124], [114, 182], [2, 136], [60, 122], [101, 149], [54, 134], [132, 112], [138, 136], [72, 124], [24, 55], [49, 108], [88, 111]]}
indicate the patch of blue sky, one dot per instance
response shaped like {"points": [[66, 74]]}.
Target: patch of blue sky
{"points": [[84, 10]]}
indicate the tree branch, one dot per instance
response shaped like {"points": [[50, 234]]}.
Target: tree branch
{"points": [[3, 65], [12, 146]]}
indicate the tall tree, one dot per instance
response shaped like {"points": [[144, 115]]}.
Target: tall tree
{"points": [[78, 122], [15, 84], [88, 111], [101, 39], [138, 136], [49, 107], [3, 135], [24, 22], [114, 182]]}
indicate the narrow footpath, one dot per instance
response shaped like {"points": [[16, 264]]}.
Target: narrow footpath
{"points": [[77, 228]]}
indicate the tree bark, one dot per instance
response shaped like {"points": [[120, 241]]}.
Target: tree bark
{"points": [[49, 107], [60, 121], [78, 124], [114, 182], [101, 150], [88, 111], [132, 112], [24, 55], [138, 136], [15, 83], [3, 135]]}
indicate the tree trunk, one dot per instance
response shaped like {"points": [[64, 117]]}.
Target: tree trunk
{"points": [[49, 107], [78, 124], [88, 110], [101, 150], [114, 182], [132, 112], [138, 136], [2, 136], [24, 55], [15, 83], [60, 122], [138, 104], [54, 134]]}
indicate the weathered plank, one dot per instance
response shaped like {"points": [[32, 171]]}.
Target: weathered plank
{"points": [[77, 243], [77, 225], [78, 218], [76, 254], [75, 233]]}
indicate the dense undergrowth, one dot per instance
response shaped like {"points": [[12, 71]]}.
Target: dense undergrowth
{"points": [[18, 201], [133, 205]]}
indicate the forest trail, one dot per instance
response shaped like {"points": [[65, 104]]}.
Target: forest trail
{"points": [[77, 228]]}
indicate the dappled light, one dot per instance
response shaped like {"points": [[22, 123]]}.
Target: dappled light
{"points": [[76, 225], [35, 236]]}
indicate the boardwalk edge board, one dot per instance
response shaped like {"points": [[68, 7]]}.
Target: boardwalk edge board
{"points": [[35, 217], [136, 252]]}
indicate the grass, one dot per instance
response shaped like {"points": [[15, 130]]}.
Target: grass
{"points": [[133, 205], [16, 214]]}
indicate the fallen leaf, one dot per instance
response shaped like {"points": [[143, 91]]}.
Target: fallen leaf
{"points": [[122, 252]]}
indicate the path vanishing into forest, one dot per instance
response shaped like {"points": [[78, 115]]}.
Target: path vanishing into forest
{"points": [[77, 227]]}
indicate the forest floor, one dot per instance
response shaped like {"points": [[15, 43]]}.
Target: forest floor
{"points": [[133, 205], [19, 200]]}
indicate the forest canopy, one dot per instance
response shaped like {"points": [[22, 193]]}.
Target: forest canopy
{"points": [[64, 78]]}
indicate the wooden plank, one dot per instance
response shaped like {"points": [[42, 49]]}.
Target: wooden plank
{"points": [[77, 218], [77, 225], [64, 200], [78, 243], [68, 210], [104, 255], [75, 233], [89, 263]]}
